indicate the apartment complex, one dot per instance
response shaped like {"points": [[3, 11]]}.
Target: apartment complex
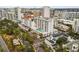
{"points": [[46, 25], [68, 13], [42, 18], [46, 12], [76, 25], [42, 23], [7, 13]]}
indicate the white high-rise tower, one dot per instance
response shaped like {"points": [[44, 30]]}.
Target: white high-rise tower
{"points": [[46, 12], [18, 13], [76, 25]]}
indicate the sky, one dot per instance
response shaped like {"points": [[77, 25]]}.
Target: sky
{"points": [[40, 3], [39, 6]]}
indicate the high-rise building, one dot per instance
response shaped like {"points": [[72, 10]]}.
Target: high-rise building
{"points": [[69, 13], [76, 25], [46, 12], [44, 25], [7, 13], [18, 13]]}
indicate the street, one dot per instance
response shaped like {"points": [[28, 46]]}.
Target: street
{"points": [[3, 45]]}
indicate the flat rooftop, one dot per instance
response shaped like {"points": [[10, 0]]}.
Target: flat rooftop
{"points": [[40, 30]]}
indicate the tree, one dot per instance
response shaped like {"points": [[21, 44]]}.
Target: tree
{"points": [[27, 37], [16, 31], [45, 47], [9, 27], [29, 29], [61, 40], [19, 48], [1, 49], [41, 35]]}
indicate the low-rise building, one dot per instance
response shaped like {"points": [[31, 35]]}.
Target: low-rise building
{"points": [[62, 27], [16, 42]]}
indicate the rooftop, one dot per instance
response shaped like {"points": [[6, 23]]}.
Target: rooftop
{"points": [[40, 30]]}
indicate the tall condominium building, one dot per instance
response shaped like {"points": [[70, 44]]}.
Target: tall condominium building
{"points": [[18, 13], [46, 12], [69, 13], [40, 25], [76, 25], [11, 16], [7, 13], [44, 25]]}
